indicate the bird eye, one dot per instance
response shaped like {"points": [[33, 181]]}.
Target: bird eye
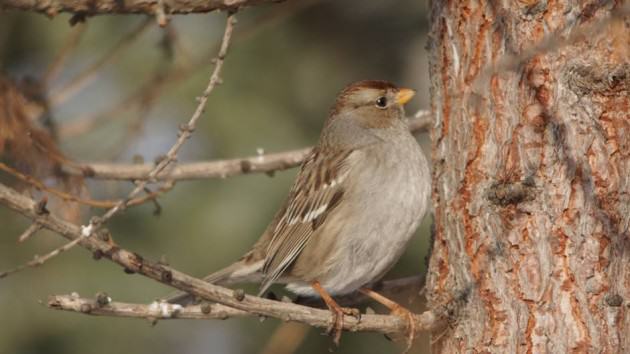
{"points": [[381, 102]]}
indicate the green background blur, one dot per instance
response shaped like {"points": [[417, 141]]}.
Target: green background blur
{"points": [[286, 64]]}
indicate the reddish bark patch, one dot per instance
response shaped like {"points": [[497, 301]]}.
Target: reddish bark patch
{"points": [[471, 179], [531, 324], [475, 63], [568, 284]]}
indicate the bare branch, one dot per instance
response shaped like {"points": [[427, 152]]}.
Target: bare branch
{"points": [[110, 7], [29, 232], [185, 131], [153, 311], [199, 170], [133, 262], [206, 311], [85, 201], [154, 86], [37, 260], [220, 168]]}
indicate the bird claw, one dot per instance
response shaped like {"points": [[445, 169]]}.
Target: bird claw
{"points": [[336, 325], [411, 324], [396, 310]]}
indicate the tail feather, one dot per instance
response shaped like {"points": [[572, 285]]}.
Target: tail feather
{"points": [[237, 272]]}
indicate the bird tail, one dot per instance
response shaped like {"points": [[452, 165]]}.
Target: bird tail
{"points": [[238, 272]]}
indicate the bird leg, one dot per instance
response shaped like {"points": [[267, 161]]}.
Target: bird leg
{"points": [[396, 309], [336, 327]]}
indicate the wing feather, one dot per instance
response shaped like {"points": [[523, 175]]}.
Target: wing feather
{"points": [[318, 189]]}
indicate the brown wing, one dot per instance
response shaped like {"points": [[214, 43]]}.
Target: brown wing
{"points": [[317, 190]]}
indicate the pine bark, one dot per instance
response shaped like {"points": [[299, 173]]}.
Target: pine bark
{"points": [[531, 181]]}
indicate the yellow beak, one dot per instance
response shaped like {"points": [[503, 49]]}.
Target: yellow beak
{"points": [[404, 95]]}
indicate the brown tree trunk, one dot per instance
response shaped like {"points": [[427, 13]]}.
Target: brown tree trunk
{"points": [[531, 175]]}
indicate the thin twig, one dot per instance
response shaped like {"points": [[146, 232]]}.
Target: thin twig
{"points": [[220, 168], [37, 260], [155, 85], [70, 44], [58, 96], [105, 204], [133, 262], [29, 232], [184, 133]]}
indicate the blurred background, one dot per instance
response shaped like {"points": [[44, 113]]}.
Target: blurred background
{"points": [[286, 64]]}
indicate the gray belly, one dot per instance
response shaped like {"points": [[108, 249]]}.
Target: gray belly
{"points": [[388, 208]]}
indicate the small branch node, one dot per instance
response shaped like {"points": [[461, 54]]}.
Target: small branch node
{"points": [[239, 294], [128, 271], [102, 299], [166, 276], [40, 206], [246, 166], [206, 308]]}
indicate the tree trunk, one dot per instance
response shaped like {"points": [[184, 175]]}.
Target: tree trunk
{"points": [[531, 175]]}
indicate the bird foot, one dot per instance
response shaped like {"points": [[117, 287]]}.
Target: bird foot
{"points": [[336, 325], [406, 315], [397, 310]]}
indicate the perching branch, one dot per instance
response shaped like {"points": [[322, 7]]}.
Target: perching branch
{"points": [[104, 306], [111, 7], [154, 311], [133, 262], [219, 168]]}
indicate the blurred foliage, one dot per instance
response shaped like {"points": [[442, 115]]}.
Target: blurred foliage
{"points": [[281, 77]]}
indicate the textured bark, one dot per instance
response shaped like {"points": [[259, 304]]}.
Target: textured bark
{"points": [[531, 175]]}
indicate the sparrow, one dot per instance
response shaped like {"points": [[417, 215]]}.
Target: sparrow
{"points": [[357, 200]]}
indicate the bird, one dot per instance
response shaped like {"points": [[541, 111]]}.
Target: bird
{"points": [[357, 200]]}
